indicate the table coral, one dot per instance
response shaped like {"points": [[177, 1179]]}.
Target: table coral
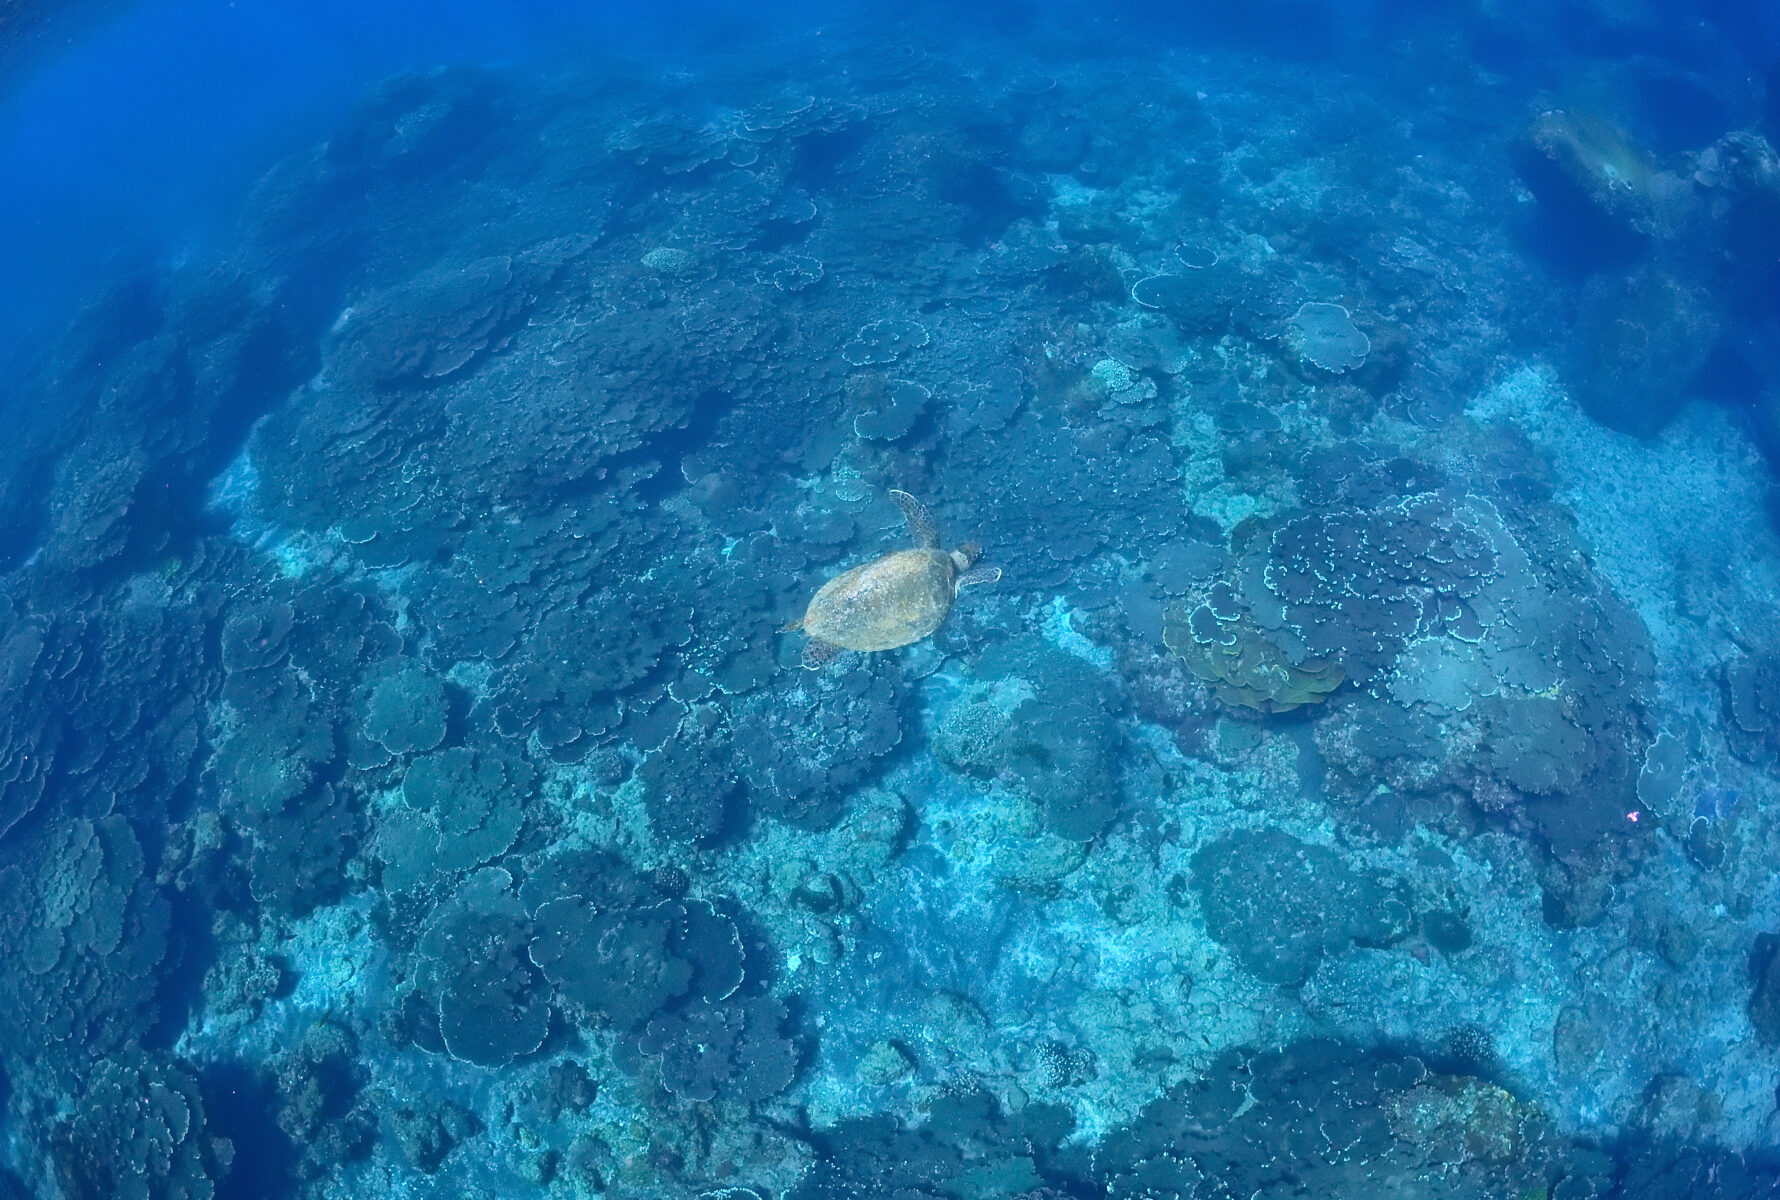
{"points": [[732, 1050], [138, 1132], [1220, 643], [461, 808], [491, 1005], [1325, 336], [406, 710]]}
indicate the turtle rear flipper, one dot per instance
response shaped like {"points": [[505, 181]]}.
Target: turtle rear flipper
{"points": [[975, 576], [920, 520]]}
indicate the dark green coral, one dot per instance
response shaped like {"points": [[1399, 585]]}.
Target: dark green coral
{"points": [[1244, 669]]}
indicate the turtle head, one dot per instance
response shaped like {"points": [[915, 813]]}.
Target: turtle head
{"points": [[967, 554]]}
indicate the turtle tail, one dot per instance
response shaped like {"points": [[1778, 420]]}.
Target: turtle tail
{"points": [[792, 626]]}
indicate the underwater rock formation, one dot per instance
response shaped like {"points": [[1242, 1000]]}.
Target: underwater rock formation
{"points": [[967, 1143], [1598, 164], [1639, 343]]}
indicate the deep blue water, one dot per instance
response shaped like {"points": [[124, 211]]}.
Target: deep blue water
{"points": [[800, 601]]}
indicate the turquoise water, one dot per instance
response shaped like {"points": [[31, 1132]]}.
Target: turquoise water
{"points": [[745, 602]]}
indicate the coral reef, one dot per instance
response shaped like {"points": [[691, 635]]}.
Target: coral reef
{"points": [[801, 745], [406, 784], [90, 929], [321, 1106], [1044, 727], [691, 784]]}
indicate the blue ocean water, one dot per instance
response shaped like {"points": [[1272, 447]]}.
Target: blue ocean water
{"points": [[721, 600]]}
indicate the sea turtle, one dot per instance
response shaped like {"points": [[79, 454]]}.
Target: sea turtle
{"points": [[894, 600]]}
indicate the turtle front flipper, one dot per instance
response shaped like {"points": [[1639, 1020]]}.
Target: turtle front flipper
{"points": [[975, 576], [818, 654], [920, 521]]}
